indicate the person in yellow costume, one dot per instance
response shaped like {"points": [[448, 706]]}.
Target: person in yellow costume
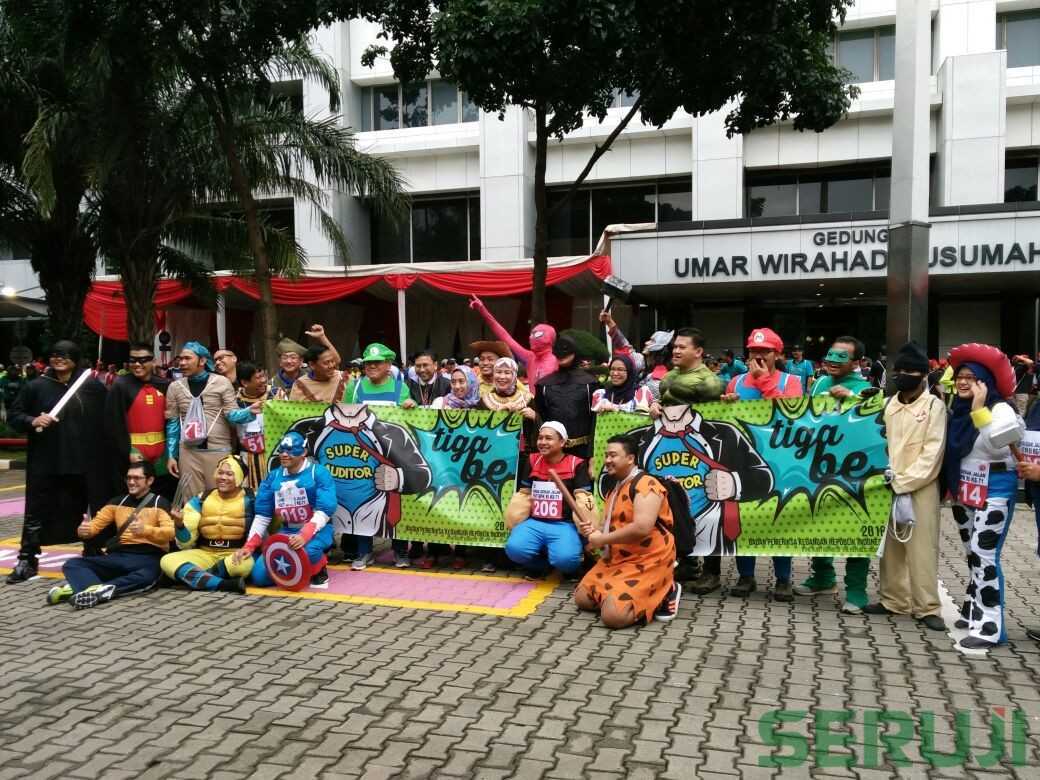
{"points": [[211, 529]]}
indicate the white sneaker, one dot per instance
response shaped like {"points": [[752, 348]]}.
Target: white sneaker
{"points": [[362, 562], [92, 596], [851, 609], [402, 561]]}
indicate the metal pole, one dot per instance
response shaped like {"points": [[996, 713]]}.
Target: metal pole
{"points": [[221, 322], [907, 280], [402, 326], [1036, 328]]}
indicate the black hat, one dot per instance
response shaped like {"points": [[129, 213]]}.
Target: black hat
{"points": [[564, 346], [911, 357], [70, 348]]}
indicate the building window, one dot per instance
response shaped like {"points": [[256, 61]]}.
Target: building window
{"points": [[843, 191], [1019, 33], [868, 54], [576, 228], [426, 103], [1021, 175], [439, 229], [288, 94]]}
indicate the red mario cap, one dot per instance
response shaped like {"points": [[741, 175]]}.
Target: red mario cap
{"points": [[991, 358], [765, 338]]}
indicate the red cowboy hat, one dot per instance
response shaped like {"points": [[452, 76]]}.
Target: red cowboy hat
{"points": [[989, 357]]}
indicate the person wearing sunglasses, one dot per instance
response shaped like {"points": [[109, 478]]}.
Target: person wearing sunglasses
{"points": [[66, 471], [135, 417]]}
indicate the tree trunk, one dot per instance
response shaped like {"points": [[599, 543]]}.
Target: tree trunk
{"points": [[139, 272], [63, 258], [541, 217], [267, 316]]}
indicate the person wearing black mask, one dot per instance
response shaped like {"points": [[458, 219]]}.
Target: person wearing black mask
{"points": [[565, 396], [67, 473], [915, 424]]}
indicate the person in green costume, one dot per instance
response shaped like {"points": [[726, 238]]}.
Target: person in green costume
{"points": [[841, 381]]}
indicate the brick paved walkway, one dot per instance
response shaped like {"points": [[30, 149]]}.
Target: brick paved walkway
{"points": [[199, 685]]}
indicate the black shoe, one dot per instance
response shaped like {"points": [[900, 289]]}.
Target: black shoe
{"points": [[321, 577], [934, 622], [977, 643], [233, 585], [687, 570], [1033, 633], [877, 609], [23, 571], [745, 587], [669, 608]]}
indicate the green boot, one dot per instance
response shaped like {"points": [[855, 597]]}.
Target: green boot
{"points": [[58, 594]]}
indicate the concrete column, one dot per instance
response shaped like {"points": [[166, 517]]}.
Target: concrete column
{"points": [[908, 234], [506, 186], [718, 169], [972, 132]]}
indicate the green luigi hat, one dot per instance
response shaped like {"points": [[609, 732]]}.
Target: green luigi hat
{"points": [[378, 353], [837, 356]]}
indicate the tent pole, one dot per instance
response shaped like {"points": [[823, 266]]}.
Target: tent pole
{"points": [[402, 327]]}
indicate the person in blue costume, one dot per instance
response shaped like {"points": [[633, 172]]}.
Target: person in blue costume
{"points": [[302, 495], [979, 471]]}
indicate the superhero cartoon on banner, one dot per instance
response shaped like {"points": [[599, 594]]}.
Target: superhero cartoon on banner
{"points": [[798, 476], [419, 474]]}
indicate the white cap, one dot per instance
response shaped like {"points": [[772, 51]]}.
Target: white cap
{"points": [[556, 426]]}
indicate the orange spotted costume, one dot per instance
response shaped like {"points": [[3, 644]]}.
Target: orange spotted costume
{"points": [[640, 573]]}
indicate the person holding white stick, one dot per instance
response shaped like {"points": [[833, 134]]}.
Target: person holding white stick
{"points": [[62, 414]]}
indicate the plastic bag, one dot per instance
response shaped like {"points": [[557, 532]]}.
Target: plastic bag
{"points": [[193, 427]]}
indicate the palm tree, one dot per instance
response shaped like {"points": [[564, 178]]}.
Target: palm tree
{"points": [[45, 95]]}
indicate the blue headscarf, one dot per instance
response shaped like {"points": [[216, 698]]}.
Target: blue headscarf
{"points": [[202, 352], [961, 431], [452, 401]]}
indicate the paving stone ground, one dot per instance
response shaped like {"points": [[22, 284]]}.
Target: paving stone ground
{"points": [[184, 685]]}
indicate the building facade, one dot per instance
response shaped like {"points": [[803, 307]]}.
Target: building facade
{"points": [[775, 228]]}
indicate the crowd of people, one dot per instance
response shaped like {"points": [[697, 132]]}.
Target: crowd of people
{"points": [[200, 487]]}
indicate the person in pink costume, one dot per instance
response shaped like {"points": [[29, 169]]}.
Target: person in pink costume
{"points": [[539, 359]]}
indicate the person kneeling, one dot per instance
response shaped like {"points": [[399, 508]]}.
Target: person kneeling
{"points": [[302, 496], [211, 532], [144, 530], [545, 536], [632, 581]]}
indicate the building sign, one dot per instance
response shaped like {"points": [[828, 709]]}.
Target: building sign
{"points": [[958, 245]]}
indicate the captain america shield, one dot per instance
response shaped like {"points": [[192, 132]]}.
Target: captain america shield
{"points": [[290, 569]]}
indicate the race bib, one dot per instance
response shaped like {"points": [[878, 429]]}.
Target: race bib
{"points": [[251, 435], [546, 501], [974, 485], [1030, 447], [291, 505]]}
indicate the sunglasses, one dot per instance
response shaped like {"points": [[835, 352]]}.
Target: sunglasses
{"points": [[142, 359], [61, 355]]}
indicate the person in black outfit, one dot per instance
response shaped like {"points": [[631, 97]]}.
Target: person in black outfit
{"points": [[431, 383], [566, 397], [67, 471]]}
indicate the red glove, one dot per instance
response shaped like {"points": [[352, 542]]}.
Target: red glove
{"points": [[307, 532]]}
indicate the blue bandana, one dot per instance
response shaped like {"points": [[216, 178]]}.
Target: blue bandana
{"points": [[202, 352]]}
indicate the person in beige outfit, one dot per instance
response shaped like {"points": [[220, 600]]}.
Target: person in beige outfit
{"points": [[915, 423]]}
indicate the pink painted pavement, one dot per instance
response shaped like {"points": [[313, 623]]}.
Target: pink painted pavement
{"points": [[12, 507]]}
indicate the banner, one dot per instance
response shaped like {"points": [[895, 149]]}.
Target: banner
{"points": [[420, 474], [794, 476]]}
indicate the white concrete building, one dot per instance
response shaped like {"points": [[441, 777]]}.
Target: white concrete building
{"points": [[776, 228]]}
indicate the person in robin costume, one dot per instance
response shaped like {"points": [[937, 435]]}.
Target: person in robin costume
{"points": [[135, 417], [373, 462], [210, 530]]}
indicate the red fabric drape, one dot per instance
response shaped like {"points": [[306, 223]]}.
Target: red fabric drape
{"points": [[104, 310], [493, 284]]}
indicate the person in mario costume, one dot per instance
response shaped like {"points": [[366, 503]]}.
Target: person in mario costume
{"points": [[979, 471], [302, 496]]}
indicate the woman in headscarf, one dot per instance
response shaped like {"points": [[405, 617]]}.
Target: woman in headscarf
{"points": [[212, 527], [508, 396], [1029, 470], [622, 393], [979, 472], [464, 391]]}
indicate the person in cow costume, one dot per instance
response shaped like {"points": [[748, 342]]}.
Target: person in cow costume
{"points": [[715, 463], [373, 462], [301, 494], [979, 471]]}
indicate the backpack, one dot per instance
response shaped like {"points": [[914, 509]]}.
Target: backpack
{"points": [[679, 503]]}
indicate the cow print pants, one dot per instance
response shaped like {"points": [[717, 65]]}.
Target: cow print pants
{"points": [[983, 532]]}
